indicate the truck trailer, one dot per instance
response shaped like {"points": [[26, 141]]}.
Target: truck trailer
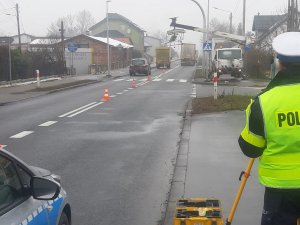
{"points": [[163, 57], [188, 54]]}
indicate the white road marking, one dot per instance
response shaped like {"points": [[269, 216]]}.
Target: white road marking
{"points": [[168, 71], [182, 81], [129, 88], [118, 79], [194, 94], [68, 113], [125, 90], [119, 93], [143, 83], [22, 134], [156, 80], [256, 88], [112, 96], [143, 79], [85, 109], [170, 80], [47, 124]]}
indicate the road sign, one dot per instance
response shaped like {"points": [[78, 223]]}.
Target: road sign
{"points": [[207, 46], [248, 47], [72, 47]]}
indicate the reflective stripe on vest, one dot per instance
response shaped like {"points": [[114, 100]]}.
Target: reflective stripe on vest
{"points": [[279, 166], [248, 136]]}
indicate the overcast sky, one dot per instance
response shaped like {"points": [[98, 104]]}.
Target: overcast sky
{"points": [[151, 15]]}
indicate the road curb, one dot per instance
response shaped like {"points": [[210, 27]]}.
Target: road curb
{"points": [[73, 86], [63, 88], [180, 170], [229, 84]]}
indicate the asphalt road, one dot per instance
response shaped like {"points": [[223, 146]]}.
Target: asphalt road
{"points": [[116, 158]]}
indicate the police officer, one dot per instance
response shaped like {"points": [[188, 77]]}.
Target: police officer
{"points": [[272, 132]]}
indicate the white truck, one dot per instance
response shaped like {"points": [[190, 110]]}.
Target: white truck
{"points": [[227, 61], [224, 60]]}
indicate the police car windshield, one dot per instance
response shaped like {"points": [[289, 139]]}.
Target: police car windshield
{"points": [[230, 54]]}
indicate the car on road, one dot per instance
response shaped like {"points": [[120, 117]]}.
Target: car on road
{"points": [[139, 66], [30, 195]]}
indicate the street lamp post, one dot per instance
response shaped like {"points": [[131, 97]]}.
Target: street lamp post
{"points": [[9, 59], [204, 39], [107, 36], [230, 18]]}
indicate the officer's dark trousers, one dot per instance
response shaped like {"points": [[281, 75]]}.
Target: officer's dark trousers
{"points": [[281, 207]]}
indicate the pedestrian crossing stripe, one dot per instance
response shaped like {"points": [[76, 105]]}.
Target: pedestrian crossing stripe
{"points": [[156, 79]]}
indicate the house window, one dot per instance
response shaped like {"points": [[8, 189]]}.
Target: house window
{"points": [[83, 45]]}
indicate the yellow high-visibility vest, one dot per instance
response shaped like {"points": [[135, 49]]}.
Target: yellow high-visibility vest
{"points": [[279, 165]]}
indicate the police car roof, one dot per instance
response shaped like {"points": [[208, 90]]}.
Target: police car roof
{"points": [[287, 44]]}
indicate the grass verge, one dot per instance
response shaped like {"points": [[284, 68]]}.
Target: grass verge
{"points": [[226, 103]]}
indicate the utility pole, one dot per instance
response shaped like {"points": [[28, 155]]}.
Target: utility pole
{"points": [[207, 26], [293, 19], [244, 18], [62, 46], [19, 35], [107, 39], [244, 33], [230, 26]]}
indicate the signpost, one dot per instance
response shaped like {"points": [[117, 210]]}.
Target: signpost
{"points": [[72, 47], [38, 78], [215, 80]]}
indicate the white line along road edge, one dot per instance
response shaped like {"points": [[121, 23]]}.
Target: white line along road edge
{"points": [[85, 109], [47, 124], [75, 110], [22, 134]]}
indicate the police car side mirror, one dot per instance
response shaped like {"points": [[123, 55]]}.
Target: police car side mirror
{"points": [[44, 189]]}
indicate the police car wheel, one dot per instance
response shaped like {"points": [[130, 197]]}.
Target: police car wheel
{"points": [[63, 219]]}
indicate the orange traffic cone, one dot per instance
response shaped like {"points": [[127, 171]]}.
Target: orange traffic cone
{"points": [[106, 95], [133, 83]]}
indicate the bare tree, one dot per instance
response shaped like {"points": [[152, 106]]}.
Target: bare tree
{"points": [[73, 24], [217, 25], [239, 29], [160, 35], [69, 27], [84, 21]]}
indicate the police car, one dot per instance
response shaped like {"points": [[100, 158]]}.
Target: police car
{"points": [[30, 195]]}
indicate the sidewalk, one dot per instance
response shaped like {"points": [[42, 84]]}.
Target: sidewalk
{"points": [[209, 163], [29, 89]]}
